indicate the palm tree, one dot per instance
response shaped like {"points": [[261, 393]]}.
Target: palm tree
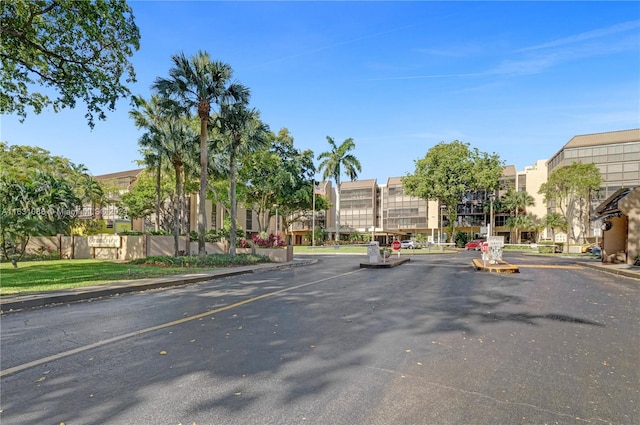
{"points": [[175, 139], [197, 83], [332, 163], [242, 132], [517, 201], [149, 115], [555, 221], [85, 187], [521, 222]]}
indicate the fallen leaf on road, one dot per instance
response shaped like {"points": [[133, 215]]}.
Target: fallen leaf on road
{"points": [[163, 352]]}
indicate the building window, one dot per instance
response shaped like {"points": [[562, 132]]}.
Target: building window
{"points": [[248, 225], [214, 217]]}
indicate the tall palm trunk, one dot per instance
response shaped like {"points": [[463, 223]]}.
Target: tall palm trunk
{"points": [[337, 220], [203, 112], [178, 167], [158, 196], [232, 196]]}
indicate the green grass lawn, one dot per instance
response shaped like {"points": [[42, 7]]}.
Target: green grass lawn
{"points": [[39, 276], [43, 276]]}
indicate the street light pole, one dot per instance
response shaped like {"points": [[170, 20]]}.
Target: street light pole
{"points": [[491, 214], [313, 216], [276, 206], [442, 207]]}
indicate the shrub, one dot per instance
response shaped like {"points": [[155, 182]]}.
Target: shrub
{"points": [[268, 242], [159, 232], [549, 248], [211, 260], [243, 243]]}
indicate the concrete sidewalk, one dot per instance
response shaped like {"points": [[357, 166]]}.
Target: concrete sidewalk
{"points": [[18, 302], [617, 269]]}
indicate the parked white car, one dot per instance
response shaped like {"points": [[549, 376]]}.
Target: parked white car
{"points": [[409, 244]]}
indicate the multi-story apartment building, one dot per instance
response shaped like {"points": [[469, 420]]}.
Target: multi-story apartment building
{"points": [[386, 213], [615, 153]]}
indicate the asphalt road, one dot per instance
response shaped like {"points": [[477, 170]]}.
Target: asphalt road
{"points": [[429, 342]]}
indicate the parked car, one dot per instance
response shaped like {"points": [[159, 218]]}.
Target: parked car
{"points": [[474, 244], [592, 248], [409, 244]]}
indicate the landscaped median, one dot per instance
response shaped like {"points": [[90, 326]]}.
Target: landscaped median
{"points": [[54, 275]]}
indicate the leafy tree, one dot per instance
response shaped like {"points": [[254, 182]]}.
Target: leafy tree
{"points": [[279, 175], [259, 174], [140, 201], [37, 203], [332, 164], [569, 189], [81, 49], [20, 161], [242, 132], [450, 170], [197, 83]]}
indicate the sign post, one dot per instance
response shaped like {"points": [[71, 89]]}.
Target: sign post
{"points": [[396, 246]]}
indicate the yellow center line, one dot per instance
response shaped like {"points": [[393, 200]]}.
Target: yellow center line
{"points": [[77, 350]]}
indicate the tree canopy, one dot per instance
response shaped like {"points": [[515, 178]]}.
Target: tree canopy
{"points": [[570, 188], [279, 175], [449, 171], [80, 49], [41, 195]]}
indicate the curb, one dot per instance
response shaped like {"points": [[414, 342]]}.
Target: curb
{"points": [[613, 270], [386, 265], [11, 303]]}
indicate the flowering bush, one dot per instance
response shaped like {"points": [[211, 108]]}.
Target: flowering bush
{"points": [[268, 242]]}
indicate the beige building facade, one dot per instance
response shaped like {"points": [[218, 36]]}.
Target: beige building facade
{"points": [[617, 156], [385, 212]]}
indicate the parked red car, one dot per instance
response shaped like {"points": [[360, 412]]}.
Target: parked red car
{"points": [[474, 244]]}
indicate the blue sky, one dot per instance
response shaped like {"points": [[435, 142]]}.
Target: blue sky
{"points": [[516, 78]]}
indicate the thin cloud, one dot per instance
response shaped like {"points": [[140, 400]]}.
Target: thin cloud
{"points": [[338, 44], [588, 35], [541, 57], [420, 77]]}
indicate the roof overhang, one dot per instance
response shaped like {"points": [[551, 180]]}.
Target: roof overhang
{"points": [[609, 208]]}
